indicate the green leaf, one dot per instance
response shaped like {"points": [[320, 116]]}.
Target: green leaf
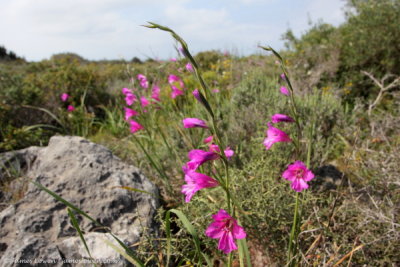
{"points": [[189, 227], [75, 224], [48, 112], [244, 252], [273, 51], [134, 190], [122, 253]]}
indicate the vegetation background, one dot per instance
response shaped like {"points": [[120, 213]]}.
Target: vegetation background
{"points": [[347, 82]]}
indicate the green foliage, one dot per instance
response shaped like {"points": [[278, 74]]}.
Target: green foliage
{"points": [[334, 57], [208, 58]]}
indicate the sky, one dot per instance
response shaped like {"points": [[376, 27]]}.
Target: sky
{"points": [[111, 29]]}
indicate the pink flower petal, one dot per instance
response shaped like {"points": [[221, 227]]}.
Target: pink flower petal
{"points": [[64, 97], [135, 126], [155, 93], [228, 152], [298, 174], [274, 135], [227, 243], [144, 102], [189, 67], [126, 91], [175, 92], [143, 81], [198, 157], [208, 139], [284, 90], [130, 98], [196, 181], [129, 113], [281, 118], [226, 229], [194, 122]]}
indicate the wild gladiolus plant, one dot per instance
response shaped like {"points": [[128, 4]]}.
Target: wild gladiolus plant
{"points": [[225, 226]]}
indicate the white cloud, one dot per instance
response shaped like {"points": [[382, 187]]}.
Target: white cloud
{"points": [[98, 29], [327, 10], [216, 29]]}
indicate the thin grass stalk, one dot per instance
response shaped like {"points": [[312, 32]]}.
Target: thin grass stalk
{"points": [[152, 162]]}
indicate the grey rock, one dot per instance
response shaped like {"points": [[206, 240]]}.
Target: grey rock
{"points": [[88, 175]]}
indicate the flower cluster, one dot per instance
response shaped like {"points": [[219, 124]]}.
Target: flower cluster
{"points": [[297, 173], [64, 98], [225, 228]]}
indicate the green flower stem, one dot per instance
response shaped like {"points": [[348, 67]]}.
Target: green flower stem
{"points": [[230, 257], [293, 234], [227, 185]]}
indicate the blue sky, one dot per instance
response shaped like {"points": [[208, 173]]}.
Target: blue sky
{"points": [[110, 29]]}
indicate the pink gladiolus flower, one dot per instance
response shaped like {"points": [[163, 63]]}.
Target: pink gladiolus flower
{"points": [[143, 81], [130, 98], [125, 91], [70, 108], [228, 152], [226, 229], [175, 79], [284, 90], [214, 148], [135, 126], [298, 174], [195, 181], [175, 92], [155, 93], [283, 76], [281, 118], [64, 97], [275, 135], [194, 122], [208, 139], [196, 94], [215, 90], [198, 157], [173, 59], [189, 67], [129, 113], [144, 102]]}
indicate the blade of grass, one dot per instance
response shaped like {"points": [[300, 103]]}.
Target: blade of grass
{"points": [[75, 224], [48, 112], [122, 253], [348, 255], [152, 162], [32, 127], [134, 190], [244, 252], [189, 227]]}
